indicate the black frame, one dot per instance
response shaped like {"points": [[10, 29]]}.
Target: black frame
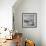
{"points": [[34, 15]]}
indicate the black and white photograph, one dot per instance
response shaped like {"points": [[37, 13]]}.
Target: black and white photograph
{"points": [[29, 20]]}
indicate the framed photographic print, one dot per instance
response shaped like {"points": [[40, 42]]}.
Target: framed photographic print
{"points": [[29, 20]]}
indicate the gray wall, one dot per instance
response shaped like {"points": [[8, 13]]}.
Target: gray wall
{"points": [[28, 6]]}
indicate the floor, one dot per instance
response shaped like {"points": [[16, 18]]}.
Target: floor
{"points": [[12, 42], [9, 43]]}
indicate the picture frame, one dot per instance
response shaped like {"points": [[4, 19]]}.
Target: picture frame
{"points": [[29, 20], [13, 22]]}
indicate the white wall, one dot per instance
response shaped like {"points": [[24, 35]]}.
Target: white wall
{"points": [[6, 13], [28, 6], [43, 22]]}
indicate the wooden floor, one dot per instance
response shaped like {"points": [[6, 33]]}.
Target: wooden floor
{"points": [[17, 37], [9, 43]]}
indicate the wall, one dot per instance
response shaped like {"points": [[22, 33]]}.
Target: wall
{"points": [[28, 6], [43, 22], [6, 13]]}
